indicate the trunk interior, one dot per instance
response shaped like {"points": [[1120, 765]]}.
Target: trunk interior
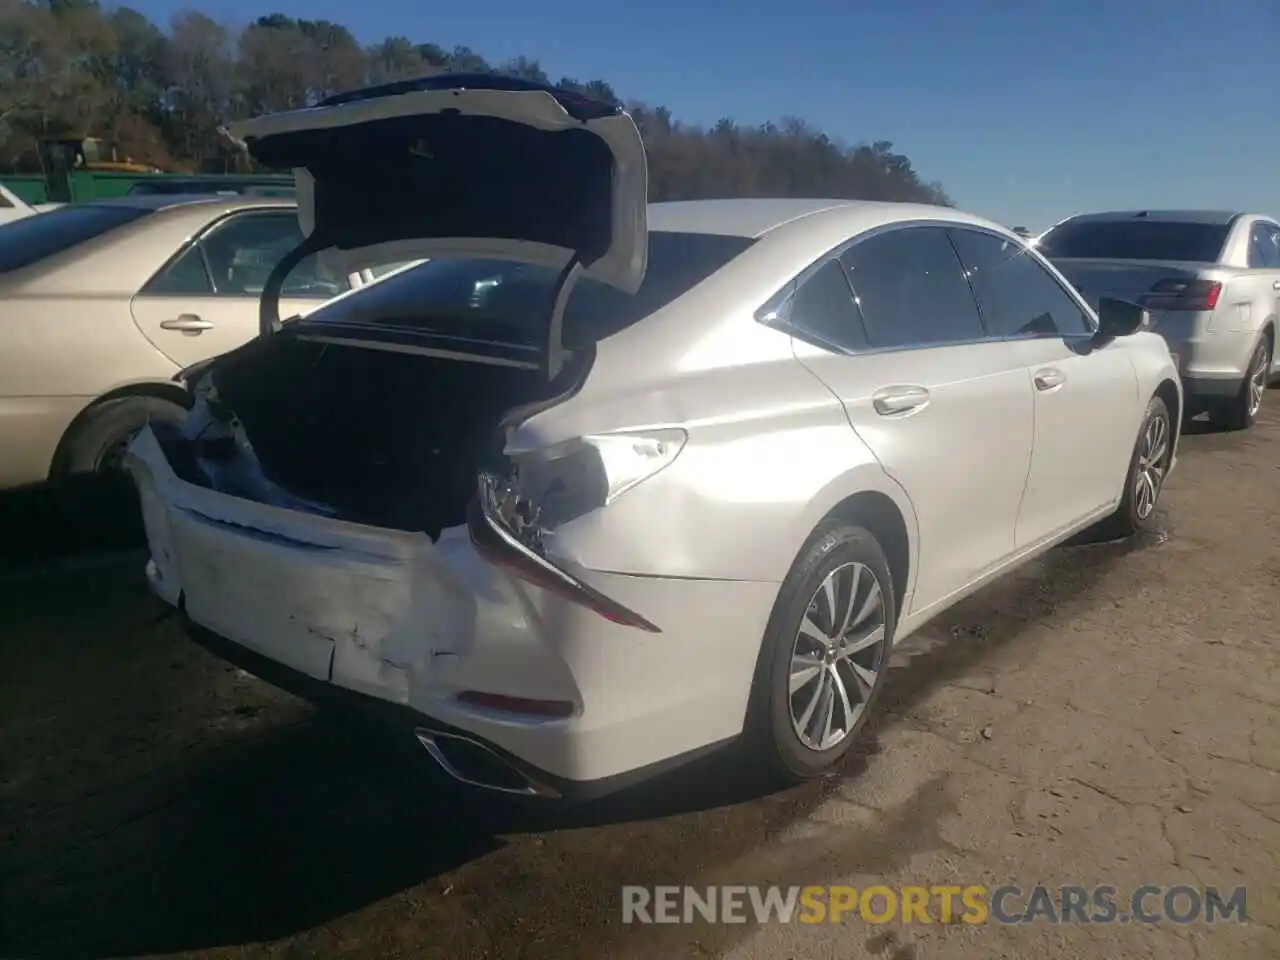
{"points": [[389, 439]]}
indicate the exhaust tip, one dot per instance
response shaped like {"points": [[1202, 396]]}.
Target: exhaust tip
{"points": [[471, 762]]}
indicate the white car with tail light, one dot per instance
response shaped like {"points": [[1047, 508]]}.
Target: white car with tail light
{"points": [[1211, 281], [604, 485]]}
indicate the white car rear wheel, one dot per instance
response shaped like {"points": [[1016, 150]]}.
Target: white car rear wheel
{"points": [[826, 652]]}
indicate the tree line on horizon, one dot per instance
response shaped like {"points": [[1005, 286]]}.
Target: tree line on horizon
{"points": [[71, 69]]}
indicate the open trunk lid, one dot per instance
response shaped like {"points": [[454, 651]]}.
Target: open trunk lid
{"points": [[465, 165]]}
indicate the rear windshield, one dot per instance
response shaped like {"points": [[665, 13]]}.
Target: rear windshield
{"points": [[31, 239], [1136, 240], [513, 299]]}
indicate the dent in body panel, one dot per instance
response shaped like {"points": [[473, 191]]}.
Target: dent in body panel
{"points": [[384, 612], [764, 437]]}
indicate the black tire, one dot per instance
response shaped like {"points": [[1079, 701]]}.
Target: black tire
{"points": [[1133, 515], [95, 495], [1240, 412], [772, 732]]}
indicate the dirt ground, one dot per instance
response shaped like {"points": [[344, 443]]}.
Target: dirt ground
{"points": [[1109, 715]]}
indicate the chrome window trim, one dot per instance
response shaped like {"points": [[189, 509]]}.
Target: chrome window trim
{"points": [[775, 311]]}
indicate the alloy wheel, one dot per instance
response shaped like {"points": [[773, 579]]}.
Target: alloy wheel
{"points": [[1153, 455], [1258, 374], [838, 655]]}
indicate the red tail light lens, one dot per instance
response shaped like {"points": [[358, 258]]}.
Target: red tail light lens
{"points": [[1175, 294], [521, 705], [498, 546]]}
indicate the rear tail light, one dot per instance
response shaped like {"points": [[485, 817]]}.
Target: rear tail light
{"points": [[1175, 294], [497, 545], [543, 489]]}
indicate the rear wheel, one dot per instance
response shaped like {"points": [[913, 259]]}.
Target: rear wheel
{"points": [[825, 654], [1241, 411], [94, 491]]}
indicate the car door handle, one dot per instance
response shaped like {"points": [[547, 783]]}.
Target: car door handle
{"points": [[889, 401], [1275, 284], [187, 323], [1049, 378]]}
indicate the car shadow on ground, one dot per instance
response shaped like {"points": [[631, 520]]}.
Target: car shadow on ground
{"points": [[307, 823], [37, 531]]}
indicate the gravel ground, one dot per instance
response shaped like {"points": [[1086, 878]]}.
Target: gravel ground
{"points": [[1107, 715]]}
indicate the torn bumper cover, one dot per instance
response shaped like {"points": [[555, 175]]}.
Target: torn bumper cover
{"points": [[333, 609]]}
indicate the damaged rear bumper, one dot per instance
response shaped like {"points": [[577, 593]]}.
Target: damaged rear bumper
{"points": [[390, 619], [438, 738]]}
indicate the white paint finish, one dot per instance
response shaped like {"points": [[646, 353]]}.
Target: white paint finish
{"points": [[1085, 429], [778, 436], [962, 457], [413, 622]]}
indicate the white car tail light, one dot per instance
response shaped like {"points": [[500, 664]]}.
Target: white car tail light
{"points": [[517, 512]]}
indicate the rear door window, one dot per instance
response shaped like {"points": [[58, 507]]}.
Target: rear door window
{"points": [[1274, 233], [29, 240], [1018, 296], [1263, 253], [235, 257], [911, 290], [1135, 240], [186, 276]]}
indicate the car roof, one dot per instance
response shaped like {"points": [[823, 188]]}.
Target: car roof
{"points": [[1213, 217], [755, 217], [163, 201], [746, 217]]}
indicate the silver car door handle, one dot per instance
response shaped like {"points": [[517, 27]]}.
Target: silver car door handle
{"points": [[895, 400], [1049, 378], [188, 323]]}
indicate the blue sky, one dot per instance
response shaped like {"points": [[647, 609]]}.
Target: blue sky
{"points": [[1025, 111]]}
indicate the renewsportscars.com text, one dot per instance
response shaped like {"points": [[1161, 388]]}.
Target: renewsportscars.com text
{"points": [[971, 904]]}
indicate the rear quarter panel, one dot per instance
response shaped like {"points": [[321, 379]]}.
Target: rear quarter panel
{"points": [[770, 453]]}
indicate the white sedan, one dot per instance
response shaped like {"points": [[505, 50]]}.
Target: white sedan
{"points": [[606, 485]]}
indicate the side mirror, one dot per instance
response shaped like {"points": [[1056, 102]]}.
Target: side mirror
{"points": [[1120, 318]]}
